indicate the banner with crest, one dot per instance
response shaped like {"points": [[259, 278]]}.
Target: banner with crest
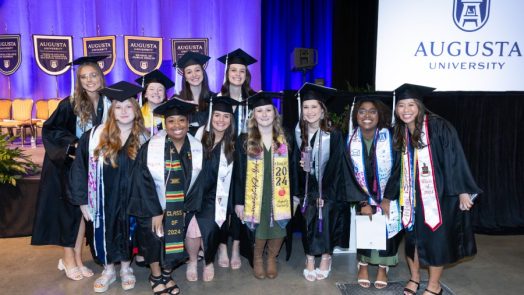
{"points": [[143, 54], [10, 54], [182, 45], [53, 53], [103, 45]]}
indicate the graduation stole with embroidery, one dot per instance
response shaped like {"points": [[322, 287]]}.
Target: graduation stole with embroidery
{"points": [[384, 165], [418, 164], [280, 192], [96, 194], [174, 213]]}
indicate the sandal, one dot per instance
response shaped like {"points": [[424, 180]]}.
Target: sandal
{"points": [[323, 274], [409, 291], [364, 283], [310, 275], [381, 284], [166, 276], [434, 293], [128, 278], [191, 271], [155, 282], [104, 281], [86, 271], [74, 273], [209, 272]]}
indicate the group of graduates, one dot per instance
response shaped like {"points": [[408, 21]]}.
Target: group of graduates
{"points": [[169, 182]]}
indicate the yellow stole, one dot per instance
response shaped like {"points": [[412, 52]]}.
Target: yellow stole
{"points": [[280, 192]]}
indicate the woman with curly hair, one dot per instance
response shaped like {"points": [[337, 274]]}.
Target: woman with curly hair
{"points": [[374, 166], [263, 185], [57, 221], [100, 178]]}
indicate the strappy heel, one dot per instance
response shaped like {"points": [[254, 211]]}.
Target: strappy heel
{"points": [[364, 283], [382, 284], [310, 275], [74, 273], [323, 274], [155, 282], [406, 289], [166, 276], [435, 293]]}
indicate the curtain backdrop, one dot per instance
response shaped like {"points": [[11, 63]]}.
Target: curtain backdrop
{"points": [[291, 24], [229, 24]]}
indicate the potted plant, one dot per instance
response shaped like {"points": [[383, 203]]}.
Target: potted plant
{"points": [[14, 163]]}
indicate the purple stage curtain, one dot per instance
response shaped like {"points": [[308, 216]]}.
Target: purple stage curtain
{"points": [[229, 24]]}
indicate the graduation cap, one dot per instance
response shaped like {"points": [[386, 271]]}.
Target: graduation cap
{"points": [[310, 91], [80, 61], [222, 104], [191, 58], [174, 107], [86, 59], [121, 91], [262, 98], [155, 76], [406, 91], [238, 56]]}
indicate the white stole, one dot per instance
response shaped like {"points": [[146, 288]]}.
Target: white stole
{"points": [[156, 163]]}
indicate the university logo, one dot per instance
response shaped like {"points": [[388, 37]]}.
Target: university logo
{"points": [[7, 63], [470, 15]]}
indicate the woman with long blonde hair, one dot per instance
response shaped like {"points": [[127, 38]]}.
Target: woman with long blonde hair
{"points": [[100, 178], [264, 185], [57, 222]]}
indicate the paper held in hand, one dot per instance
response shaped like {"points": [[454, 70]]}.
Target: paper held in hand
{"points": [[371, 234]]}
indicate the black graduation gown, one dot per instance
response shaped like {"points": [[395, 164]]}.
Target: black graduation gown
{"points": [[198, 119], [117, 182], [336, 211], [247, 236], [56, 220], [206, 217], [144, 203], [454, 239], [391, 192]]}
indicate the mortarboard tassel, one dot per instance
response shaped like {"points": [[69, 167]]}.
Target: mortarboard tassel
{"points": [[72, 82], [350, 123], [393, 116], [210, 111]]}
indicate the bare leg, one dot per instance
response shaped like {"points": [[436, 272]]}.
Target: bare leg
{"points": [[435, 272], [156, 274], [235, 255], [414, 269], [192, 245], [223, 259], [79, 243]]}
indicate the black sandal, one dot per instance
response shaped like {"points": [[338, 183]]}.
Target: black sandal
{"points": [[434, 293], [155, 282], [411, 291], [166, 277]]}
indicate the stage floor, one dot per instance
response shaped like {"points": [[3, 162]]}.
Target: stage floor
{"points": [[497, 269]]}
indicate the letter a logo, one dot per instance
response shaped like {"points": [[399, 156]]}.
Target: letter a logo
{"points": [[470, 15]]}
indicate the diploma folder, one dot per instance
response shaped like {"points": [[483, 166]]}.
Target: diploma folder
{"points": [[371, 234]]}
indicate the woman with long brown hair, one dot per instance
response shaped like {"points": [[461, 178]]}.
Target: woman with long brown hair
{"points": [[436, 189], [195, 86], [264, 185], [218, 140], [237, 85], [58, 222], [100, 182], [322, 177]]}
